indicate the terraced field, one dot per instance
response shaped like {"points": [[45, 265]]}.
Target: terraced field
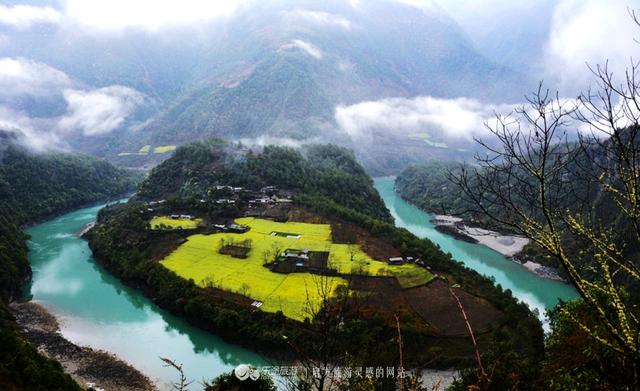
{"points": [[293, 294], [164, 149], [146, 150]]}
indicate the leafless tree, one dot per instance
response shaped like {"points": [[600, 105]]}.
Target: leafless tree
{"points": [[182, 383], [325, 311], [543, 182]]}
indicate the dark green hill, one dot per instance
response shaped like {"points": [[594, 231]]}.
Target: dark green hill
{"points": [[33, 186]]}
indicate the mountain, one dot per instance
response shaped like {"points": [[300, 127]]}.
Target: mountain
{"points": [[293, 74], [275, 72]]}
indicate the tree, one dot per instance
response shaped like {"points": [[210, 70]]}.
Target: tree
{"points": [[569, 196]]}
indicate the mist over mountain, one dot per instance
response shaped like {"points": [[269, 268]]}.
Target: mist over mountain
{"points": [[403, 80]]}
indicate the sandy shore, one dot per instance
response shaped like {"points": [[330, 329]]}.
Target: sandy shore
{"points": [[507, 245], [445, 220], [90, 368]]}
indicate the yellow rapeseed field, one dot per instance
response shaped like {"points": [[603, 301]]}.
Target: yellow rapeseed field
{"points": [[294, 293]]}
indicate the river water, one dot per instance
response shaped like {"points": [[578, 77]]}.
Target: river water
{"points": [[96, 310], [539, 293]]}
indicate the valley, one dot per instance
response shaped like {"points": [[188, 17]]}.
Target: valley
{"points": [[139, 322], [304, 195]]}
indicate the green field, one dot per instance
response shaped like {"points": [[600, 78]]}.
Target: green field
{"points": [[425, 137], [164, 149], [146, 149], [158, 221], [292, 294]]}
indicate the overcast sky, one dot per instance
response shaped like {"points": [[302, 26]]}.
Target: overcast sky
{"points": [[574, 33]]}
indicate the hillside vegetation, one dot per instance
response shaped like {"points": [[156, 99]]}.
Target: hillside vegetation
{"points": [[36, 186], [325, 170]]}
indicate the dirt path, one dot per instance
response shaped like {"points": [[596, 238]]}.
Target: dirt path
{"points": [[90, 368]]}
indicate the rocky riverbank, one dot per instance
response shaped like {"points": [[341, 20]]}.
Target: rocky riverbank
{"points": [[90, 368], [541, 270]]}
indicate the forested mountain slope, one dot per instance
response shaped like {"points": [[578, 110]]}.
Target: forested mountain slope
{"points": [[271, 71], [33, 186]]}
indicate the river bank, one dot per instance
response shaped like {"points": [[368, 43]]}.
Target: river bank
{"points": [[540, 294], [90, 368], [508, 245]]}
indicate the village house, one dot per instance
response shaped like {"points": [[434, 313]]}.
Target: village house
{"points": [[237, 228], [281, 201], [395, 261], [181, 217], [299, 258]]}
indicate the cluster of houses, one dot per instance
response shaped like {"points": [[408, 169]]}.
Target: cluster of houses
{"points": [[182, 217], [403, 260], [235, 228], [268, 195], [261, 200]]}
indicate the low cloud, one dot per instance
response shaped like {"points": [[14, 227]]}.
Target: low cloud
{"points": [[590, 31], [24, 16], [323, 19], [27, 131], [460, 118], [306, 47], [98, 111], [20, 76], [86, 111], [263, 141]]}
